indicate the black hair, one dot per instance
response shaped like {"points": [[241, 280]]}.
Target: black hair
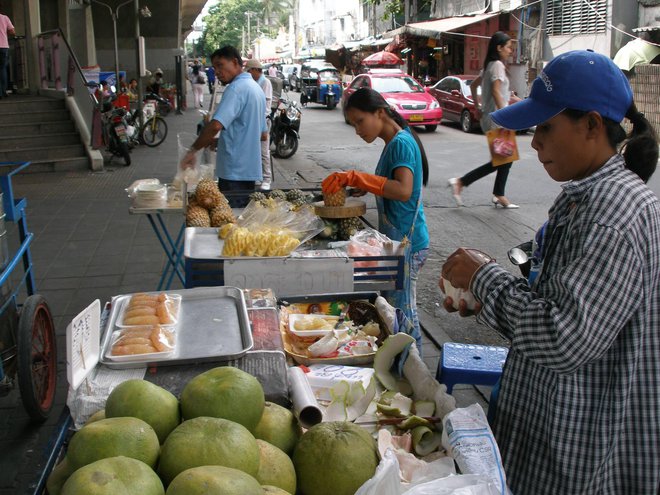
{"points": [[639, 148], [500, 38], [195, 70], [369, 100], [229, 52], [129, 82]]}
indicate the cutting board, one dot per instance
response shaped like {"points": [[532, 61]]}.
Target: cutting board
{"points": [[352, 208]]}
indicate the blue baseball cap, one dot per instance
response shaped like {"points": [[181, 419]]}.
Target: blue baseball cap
{"points": [[579, 80]]}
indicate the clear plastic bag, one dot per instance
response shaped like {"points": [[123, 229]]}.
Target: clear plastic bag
{"points": [[204, 168], [369, 242], [271, 230]]}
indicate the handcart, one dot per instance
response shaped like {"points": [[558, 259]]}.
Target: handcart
{"points": [[27, 332]]}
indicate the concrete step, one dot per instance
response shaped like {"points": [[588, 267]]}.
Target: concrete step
{"points": [[27, 105], [37, 128], [58, 165], [47, 153], [41, 140], [35, 117]]}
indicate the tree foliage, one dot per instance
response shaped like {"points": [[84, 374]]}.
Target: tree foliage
{"points": [[225, 23]]}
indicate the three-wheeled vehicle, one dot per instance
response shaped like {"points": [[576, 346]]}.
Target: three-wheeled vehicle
{"points": [[320, 84]]}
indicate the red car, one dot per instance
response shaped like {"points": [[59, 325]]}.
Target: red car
{"points": [[453, 94], [455, 98], [401, 91]]}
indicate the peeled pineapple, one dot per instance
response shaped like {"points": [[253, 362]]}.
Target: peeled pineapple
{"points": [[336, 199], [208, 195], [196, 216]]}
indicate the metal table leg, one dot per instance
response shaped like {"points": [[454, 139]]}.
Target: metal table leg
{"points": [[173, 250]]}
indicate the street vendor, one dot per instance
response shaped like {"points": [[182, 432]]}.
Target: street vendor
{"points": [[578, 405], [239, 118], [401, 172]]}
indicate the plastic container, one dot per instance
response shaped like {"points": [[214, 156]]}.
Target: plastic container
{"points": [[332, 321]]}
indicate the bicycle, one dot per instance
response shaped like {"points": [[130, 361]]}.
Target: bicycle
{"points": [[154, 129]]}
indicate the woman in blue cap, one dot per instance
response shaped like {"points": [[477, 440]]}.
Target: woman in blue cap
{"points": [[580, 392]]}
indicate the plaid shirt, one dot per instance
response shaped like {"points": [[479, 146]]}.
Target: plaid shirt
{"points": [[579, 405]]}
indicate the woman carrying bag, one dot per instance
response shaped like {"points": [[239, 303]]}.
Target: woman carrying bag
{"points": [[495, 94], [401, 173]]}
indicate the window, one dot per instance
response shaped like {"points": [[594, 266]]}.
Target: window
{"points": [[396, 85], [571, 17]]}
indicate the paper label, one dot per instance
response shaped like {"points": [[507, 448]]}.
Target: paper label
{"points": [[291, 276], [83, 344]]}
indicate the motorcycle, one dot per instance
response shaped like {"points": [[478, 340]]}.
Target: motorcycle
{"points": [[284, 131], [163, 104], [115, 133]]}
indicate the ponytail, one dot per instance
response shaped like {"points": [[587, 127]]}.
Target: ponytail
{"points": [[640, 150], [369, 100]]}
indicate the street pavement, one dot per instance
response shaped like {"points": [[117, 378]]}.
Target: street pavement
{"points": [[87, 246]]}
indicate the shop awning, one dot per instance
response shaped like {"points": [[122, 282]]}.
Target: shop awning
{"points": [[433, 29]]}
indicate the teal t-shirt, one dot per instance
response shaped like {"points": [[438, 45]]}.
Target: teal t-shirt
{"points": [[402, 151]]}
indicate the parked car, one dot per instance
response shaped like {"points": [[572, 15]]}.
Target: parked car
{"points": [[455, 98], [291, 73], [401, 91]]}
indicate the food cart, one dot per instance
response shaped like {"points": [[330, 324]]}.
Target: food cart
{"points": [[243, 312]]}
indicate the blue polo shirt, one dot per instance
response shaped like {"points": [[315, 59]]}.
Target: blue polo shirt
{"points": [[241, 113]]}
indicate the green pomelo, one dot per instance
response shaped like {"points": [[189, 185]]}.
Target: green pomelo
{"points": [[278, 426], [98, 415], [142, 399], [58, 477], [215, 480], [273, 490], [208, 442], [334, 458], [275, 468], [224, 392], [112, 437], [114, 476]]}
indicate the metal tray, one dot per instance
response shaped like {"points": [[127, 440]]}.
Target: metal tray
{"points": [[213, 325]]}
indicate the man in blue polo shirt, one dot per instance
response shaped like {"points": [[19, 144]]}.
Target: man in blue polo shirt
{"points": [[239, 119]]}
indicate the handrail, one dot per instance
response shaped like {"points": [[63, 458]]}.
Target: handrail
{"points": [[77, 65]]}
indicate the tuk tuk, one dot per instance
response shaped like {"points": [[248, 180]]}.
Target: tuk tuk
{"points": [[320, 84]]}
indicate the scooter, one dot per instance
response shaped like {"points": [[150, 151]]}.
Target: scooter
{"points": [[284, 131]]}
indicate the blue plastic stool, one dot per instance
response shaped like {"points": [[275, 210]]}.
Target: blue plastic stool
{"points": [[470, 364]]}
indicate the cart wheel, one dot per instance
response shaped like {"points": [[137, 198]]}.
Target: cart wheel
{"points": [[37, 358]]}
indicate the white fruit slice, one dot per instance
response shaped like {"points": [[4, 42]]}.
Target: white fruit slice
{"points": [[385, 355]]}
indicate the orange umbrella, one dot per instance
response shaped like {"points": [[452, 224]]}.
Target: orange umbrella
{"points": [[382, 58]]}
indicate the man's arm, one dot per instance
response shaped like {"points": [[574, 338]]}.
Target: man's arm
{"points": [[205, 138]]}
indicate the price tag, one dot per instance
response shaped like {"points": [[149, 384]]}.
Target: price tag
{"points": [[83, 344], [291, 276]]}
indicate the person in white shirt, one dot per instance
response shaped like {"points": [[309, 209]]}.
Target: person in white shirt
{"points": [[272, 70], [256, 70]]}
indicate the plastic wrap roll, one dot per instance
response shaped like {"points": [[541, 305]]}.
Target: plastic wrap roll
{"points": [[305, 406]]}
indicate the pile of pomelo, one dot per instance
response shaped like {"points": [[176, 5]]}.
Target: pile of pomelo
{"points": [[221, 437]]}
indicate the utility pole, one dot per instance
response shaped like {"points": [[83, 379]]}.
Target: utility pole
{"points": [[249, 15]]}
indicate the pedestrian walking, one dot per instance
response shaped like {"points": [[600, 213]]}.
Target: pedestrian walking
{"points": [[400, 175], [6, 30], [495, 94], [577, 410], [210, 77], [198, 81], [256, 70]]}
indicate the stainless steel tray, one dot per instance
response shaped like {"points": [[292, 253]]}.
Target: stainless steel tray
{"points": [[213, 325], [202, 243]]}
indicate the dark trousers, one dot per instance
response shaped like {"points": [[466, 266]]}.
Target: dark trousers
{"points": [[486, 169], [4, 66], [236, 191]]}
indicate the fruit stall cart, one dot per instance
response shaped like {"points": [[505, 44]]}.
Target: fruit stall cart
{"points": [[27, 339]]}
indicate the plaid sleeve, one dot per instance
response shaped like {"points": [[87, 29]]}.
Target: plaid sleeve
{"points": [[579, 310]]}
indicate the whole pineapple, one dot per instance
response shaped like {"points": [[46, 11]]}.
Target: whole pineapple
{"points": [[257, 196], [277, 194], [335, 199], [221, 215], [348, 227], [208, 195], [196, 216]]}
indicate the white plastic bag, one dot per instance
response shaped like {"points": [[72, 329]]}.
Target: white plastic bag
{"points": [[201, 170], [461, 484], [386, 480], [467, 437]]}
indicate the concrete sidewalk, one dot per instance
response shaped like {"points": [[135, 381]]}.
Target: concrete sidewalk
{"points": [[87, 246]]}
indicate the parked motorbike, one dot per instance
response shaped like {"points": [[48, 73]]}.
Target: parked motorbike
{"points": [[114, 130], [163, 104], [284, 131]]}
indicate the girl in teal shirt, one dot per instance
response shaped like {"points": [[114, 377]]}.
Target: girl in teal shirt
{"points": [[401, 172]]}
